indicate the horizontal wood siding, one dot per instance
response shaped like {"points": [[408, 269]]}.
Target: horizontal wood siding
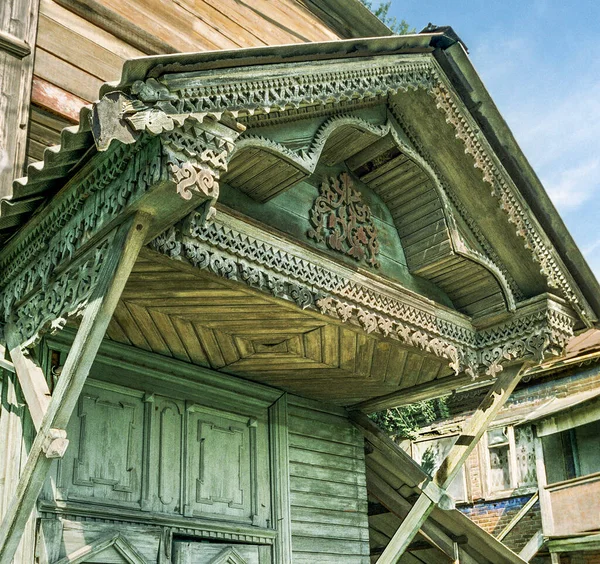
{"points": [[328, 487], [83, 43]]}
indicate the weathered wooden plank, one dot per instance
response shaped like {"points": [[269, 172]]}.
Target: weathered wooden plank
{"points": [[130, 327], [77, 50], [165, 327], [18, 22], [340, 476], [189, 338], [339, 547], [309, 500], [67, 77], [117, 26], [128, 241], [311, 444], [148, 329]]}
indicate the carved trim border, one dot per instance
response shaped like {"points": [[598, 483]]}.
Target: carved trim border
{"points": [[490, 259], [249, 94], [538, 328], [509, 198], [121, 177]]}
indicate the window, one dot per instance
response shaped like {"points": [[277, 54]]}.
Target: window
{"points": [[430, 455], [510, 456], [572, 453]]}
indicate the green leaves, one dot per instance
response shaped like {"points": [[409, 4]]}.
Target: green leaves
{"points": [[405, 422], [382, 12]]}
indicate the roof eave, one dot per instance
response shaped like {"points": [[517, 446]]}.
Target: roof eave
{"points": [[348, 18], [465, 79]]}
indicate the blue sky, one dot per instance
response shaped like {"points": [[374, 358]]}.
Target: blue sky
{"points": [[540, 60]]}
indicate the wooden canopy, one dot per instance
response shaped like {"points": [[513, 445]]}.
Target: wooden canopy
{"points": [[329, 219]]}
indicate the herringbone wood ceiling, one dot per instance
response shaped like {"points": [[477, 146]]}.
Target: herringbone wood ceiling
{"points": [[175, 310]]}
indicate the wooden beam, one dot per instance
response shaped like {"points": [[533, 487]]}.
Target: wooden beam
{"points": [[477, 425], [50, 441], [466, 442], [533, 546], [430, 390], [400, 507], [542, 481], [31, 378], [407, 531], [18, 21], [520, 514], [577, 543]]}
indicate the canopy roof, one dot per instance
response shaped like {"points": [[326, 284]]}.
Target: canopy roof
{"points": [[481, 129], [460, 261]]}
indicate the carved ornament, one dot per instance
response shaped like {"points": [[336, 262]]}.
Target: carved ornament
{"points": [[343, 221], [537, 329], [122, 175], [316, 86]]}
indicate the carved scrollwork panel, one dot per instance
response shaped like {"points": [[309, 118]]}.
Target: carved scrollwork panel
{"points": [[342, 221]]}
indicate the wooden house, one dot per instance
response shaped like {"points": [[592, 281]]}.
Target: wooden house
{"points": [[232, 258], [533, 482]]}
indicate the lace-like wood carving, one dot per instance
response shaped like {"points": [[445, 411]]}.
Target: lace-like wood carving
{"points": [[343, 221]]}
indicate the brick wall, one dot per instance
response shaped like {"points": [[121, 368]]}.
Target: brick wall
{"points": [[494, 516]]}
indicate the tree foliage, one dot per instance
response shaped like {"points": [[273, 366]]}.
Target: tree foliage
{"points": [[405, 422], [382, 12]]}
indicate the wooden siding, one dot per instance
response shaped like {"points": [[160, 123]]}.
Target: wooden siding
{"points": [[327, 484], [81, 45]]}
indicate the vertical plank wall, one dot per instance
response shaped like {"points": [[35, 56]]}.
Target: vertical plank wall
{"points": [[84, 43], [327, 486]]}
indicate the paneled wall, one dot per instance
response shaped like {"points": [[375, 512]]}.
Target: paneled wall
{"points": [[162, 455]]}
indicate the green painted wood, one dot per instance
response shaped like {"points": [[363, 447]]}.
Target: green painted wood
{"points": [[328, 486], [128, 240], [289, 212]]}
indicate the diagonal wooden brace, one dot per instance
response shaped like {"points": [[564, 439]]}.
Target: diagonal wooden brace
{"points": [[466, 442], [50, 441], [31, 378]]}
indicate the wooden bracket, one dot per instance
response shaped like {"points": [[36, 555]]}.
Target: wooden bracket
{"points": [[466, 442], [50, 441], [31, 378]]}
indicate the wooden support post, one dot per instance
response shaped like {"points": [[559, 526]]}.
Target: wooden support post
{"points": [[544, 495], [32, 380], [50, 441], [400, 507], [533, 546], [517, 518], [466, 442]]}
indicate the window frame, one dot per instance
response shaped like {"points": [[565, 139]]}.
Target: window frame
{"points": [[513, 490]]}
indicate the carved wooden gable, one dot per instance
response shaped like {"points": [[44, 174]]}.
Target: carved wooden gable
{"points": [[300, 197]]}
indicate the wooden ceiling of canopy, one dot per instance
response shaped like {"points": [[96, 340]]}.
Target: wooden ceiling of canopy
{"points": [[178, 311]]}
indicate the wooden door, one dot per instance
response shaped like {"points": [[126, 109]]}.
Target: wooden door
{"points": [[200, 552]]}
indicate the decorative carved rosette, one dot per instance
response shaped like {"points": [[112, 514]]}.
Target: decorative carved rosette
{"points": [[343, 221]]}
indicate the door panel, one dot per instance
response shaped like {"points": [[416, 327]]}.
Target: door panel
{"points": [[193, 552]]}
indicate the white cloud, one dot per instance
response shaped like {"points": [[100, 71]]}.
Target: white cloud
{"points": [[571, 187]]}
